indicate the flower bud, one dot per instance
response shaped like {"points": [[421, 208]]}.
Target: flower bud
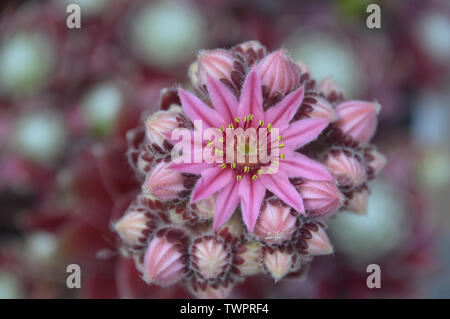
{"points": [[160, 125], [136, 226], [218, 290], [247, 257], [165, 259], [375, 161], [278, 261], [313, 240], [316, 107], [328, 89], [278, 73], [220, 64], [232, 230], [346, 167], [320, 197], [250, 51], [358, 119], [210, 257], [166, 184], [276, 223], [204, 209], [357, 203]]}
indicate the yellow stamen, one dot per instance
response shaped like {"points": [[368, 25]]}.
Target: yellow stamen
{"points": [[233, 165], [223, 166], [218, 152], [238, 177], [231, 126], [260, 171], [281, 146], [246, 169], [221, 139], [280, 137], [269, 126], [209, 143], [222, 128], [254, 177], [250, 117], [237, 119], [282, 156], [261, 122]]}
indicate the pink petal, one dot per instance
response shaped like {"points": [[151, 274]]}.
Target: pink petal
{"points": [[281, 114], [226, 203], [197, 110], [212, 180], [222, 99], [302, 132], [280, 185], [298, 165], [252, 194], [251, 101]]}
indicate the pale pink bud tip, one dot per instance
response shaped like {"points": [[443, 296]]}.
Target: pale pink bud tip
{"points": [[219, 64], [210, 257], [164, 183], [276, 223], [346, 167], [358, 201], [278, 261], [160, 125], [135, 226], [320, 197], [218, 290], [316, 107], [313, 240], [278, 73], [375, 161], [328, 89], [232, 230], [358, 119], [204, 209], [247, 257], [251, 51], [165, 258]]}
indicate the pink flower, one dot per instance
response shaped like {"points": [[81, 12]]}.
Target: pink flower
{"points": [[246, 183]]}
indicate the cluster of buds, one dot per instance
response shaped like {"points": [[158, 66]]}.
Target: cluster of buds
{"points": [[210, 227]]}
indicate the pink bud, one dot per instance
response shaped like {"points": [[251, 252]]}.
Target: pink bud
{"points": [[357, 203], [220, 64], [205, 290], [278, 261], [328, 89], [375, 161], [136, 226], [278, 73], [144, 161], [210, 257], [313, 240], [165, 258], [320, 197], [251, 51], [358, 119], [204, 209], [316, 107], [232, 231], [160, 125], [346, 167], [275, 224], [247, 258], [164, 183]]}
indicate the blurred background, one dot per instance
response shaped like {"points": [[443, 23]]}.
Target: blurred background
{"points": [[68, 97]]}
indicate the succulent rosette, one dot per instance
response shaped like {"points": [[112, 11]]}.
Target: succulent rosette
{"points": [[240, 178]]}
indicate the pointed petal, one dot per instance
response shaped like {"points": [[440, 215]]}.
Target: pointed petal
{"points": [[302, 132], [226, 203], [197, 110], [212, 180], [280, 185], [281, 114], [222, 99], [298, 165], [252, 194], [251, 100]]}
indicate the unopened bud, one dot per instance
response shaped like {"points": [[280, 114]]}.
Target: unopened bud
{"points": [[278, 261], [346, 167], [320, 197]]}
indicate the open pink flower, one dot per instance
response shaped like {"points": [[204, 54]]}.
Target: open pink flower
{"points": [[246, 182]]}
